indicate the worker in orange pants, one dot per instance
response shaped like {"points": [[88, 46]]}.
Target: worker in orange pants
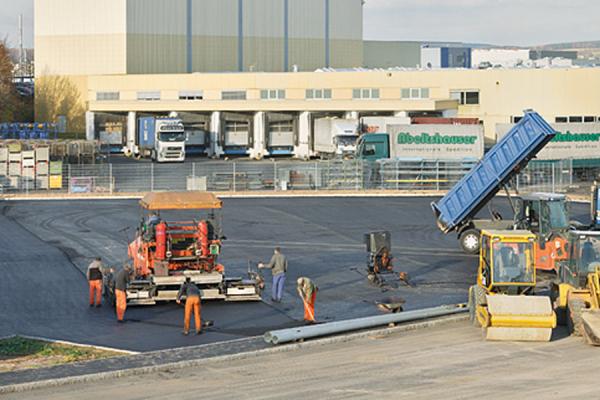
{"points": [[308, 293], [192, 304], [121, 281], [94, 277]]}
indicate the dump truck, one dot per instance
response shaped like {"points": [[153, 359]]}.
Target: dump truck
{"points": [[545, 214], [432, 141], [503, 301], [180, 237], [577, 292]]}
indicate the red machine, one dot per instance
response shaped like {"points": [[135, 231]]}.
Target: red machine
{"points": [[165, 252]]}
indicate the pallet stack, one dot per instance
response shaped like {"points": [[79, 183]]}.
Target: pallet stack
{"points": [[28, 169], [14, 164], [56, 175], [42, 168]]}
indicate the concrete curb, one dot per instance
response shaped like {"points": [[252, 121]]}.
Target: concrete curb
{"points": [[23, 387]]}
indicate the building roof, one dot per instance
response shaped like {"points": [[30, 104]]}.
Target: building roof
{"points": [[180, 201]]}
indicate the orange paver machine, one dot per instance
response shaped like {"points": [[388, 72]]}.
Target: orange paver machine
{"points": [[165, 252]]}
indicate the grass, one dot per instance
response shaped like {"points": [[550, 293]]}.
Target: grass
{"points": [[18, 353]]}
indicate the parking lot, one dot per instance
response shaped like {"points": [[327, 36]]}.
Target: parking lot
{"points": [[48, 245]]}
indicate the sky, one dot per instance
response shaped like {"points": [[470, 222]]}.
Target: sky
{"points": [[502, 22]]}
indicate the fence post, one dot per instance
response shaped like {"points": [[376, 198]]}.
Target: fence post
{"points": [[275, 178], [234, 182], [69, 178], [437, 175], [152, 177], [110, 178], [553, 179], [194, 169], [316, 174]]}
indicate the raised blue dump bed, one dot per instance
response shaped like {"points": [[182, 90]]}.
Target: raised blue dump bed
{"points": [[497, 167]]}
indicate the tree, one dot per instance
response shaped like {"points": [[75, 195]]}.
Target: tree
{"points": [[8, 95], [13, 107], [55, 96]]}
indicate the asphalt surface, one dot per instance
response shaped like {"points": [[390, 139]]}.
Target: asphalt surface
{"points": [[445, 362], [47, 246]]}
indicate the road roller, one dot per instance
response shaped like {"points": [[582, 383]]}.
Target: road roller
{"points": [[503, 302]]}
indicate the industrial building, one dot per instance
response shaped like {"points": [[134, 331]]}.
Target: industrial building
{"points": [[263, 71], [87, 37], [217, 103]]}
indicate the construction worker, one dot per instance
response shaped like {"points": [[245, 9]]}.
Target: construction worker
{"points": [[278, 266], [94, 277], [121, 281], [192, 303], [383, 262], [308, 293]]}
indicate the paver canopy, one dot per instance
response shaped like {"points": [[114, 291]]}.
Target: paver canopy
{"points": [[180, 201]]}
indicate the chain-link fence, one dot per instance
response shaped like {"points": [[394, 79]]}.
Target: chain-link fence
{"points": [[246, 176]]}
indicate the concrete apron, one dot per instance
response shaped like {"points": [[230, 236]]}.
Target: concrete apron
{"points": [[134, 371]]}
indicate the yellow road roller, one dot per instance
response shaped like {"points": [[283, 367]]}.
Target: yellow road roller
{"points": [[503, 301], [577, 295]]}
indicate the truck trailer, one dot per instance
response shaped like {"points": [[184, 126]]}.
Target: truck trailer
{"points": [[430, 142]]}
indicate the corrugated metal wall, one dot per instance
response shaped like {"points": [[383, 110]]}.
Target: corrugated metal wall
{"points": [[346, 33], [156, 36], [263, 28], [215, 35], [163, 38], [307, 34]]}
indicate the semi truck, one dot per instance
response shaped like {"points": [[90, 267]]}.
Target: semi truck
{"points": [[422, 141], [335, 137], [161, 139]]}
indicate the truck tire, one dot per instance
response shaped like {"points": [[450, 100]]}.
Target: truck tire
{"points": [[470, 241], [153, 156], [575, 309]]}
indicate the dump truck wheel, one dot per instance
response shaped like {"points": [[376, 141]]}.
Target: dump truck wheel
{"points": [[470, 241], [575, 309]]}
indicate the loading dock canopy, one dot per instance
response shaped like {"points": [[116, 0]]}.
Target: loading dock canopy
{"points": [[180, 201]]}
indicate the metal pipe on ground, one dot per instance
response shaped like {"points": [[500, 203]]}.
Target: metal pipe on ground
{"points": [[307, 332]]}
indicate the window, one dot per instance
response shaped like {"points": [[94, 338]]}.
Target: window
{"points": [[465, 97], [414, 93], [233, 95], [191, 95], [272, 94], [107, 96], [577, 119], [365, 94], [318, 94], [148, 96]]}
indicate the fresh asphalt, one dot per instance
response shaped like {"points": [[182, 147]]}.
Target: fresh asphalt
{"points": [[48, 244]]}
